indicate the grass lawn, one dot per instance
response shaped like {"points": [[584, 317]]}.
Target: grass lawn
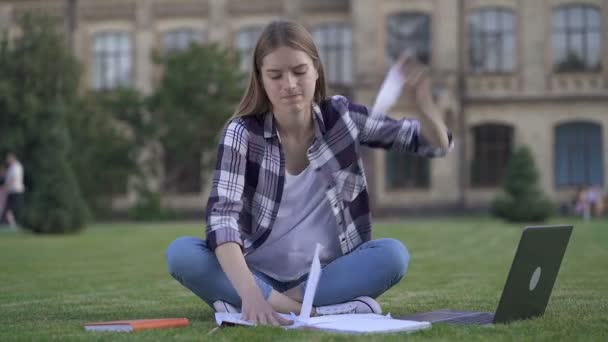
{"points": [[50, 285]]}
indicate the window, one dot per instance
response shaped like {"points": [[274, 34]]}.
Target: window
{"points": [[578, 154], [576, 39], [408, 31], [245, 44], [335, 47], [492, 41], [491, 153], [113, 60], [179, 40], [404, 171]]}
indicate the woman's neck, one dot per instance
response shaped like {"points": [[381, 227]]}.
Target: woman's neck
{"points": [[295, 125]]}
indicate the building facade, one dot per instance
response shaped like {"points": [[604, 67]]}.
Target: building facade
{"points": [[506, 73]]}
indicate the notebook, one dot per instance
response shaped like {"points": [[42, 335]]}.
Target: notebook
{"points": [[138, 324], [347, 323]]}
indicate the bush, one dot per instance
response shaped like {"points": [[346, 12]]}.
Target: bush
{"points": [[149, 207], [108, 131], [522, 200], [53, 204], [198, 92]]}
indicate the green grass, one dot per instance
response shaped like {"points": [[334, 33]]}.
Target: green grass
{"points": [[50, 285]]}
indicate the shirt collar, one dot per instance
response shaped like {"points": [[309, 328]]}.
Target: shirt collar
{"points": [[270, 124]]}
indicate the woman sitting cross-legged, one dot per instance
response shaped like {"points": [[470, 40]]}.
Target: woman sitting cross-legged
{"points": [[289, 175]]}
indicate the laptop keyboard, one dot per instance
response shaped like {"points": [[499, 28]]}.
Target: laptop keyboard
{"points": [[475, 318]]}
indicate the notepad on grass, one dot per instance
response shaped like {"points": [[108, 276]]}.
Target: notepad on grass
{"points": [[346, 323], [137, 324]]}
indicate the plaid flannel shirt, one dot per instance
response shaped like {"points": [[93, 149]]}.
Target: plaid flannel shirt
{"points": [[250, 171]]}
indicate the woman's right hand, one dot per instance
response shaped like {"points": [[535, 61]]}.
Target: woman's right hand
{"points": [[256, 309]]}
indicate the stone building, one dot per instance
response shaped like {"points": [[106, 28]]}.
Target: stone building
{"points": [[505, 72]]}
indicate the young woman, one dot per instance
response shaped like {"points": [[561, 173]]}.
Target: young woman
{"points": [[289, 175]]}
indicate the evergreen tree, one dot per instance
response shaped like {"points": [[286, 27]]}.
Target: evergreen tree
{"points": [[108, 133], [197, 94], [522, 200], [38, 87]]}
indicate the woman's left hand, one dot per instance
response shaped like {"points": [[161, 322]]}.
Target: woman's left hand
{"points": [[417, 90], [419, 96]]}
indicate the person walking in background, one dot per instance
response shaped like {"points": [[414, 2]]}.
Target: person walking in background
{"points": [[14, 187], [2, 192], [289, 175], [581, 204]]}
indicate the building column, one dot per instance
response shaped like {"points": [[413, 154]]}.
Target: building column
{"points": [[368, 51], [367, 21], [218, 22], [6, 17], [149, 158], [144, 41], [292, 9], [532, 45], [450, 174]]}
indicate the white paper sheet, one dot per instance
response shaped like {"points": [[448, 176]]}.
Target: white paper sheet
{"points": [[345, 323], [311, 286], [389, 91], [364, 324]]}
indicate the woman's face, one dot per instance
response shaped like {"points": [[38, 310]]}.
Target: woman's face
{"points": [[289, 78]]}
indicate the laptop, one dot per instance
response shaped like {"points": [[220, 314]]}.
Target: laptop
{"points": [[529, 283]]}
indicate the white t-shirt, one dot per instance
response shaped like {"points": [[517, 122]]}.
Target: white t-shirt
{"points": [[304, 219], [14, 178]]}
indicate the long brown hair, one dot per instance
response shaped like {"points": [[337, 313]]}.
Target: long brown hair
{"points": [[275, 35]]}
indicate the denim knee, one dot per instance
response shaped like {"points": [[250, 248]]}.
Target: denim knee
{"points": [[397, 257], [184, 257]]}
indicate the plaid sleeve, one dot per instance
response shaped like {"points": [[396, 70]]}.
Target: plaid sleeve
{"points": [[388, 133], [225, 200]]}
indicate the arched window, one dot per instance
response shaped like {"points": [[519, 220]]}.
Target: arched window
{"points": [[492, 146], [492, 41], [578, 154], [408, 31], [112, 60], [577, 42]]}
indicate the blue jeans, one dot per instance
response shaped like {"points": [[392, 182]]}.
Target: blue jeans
{"points": [[369, 270]]}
